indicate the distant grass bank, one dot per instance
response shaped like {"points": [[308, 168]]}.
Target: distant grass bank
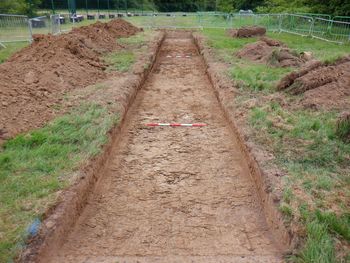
{"points": [[10, 49], [305, 142]]}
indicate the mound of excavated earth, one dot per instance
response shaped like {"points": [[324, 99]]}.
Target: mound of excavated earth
{"points": [[272, 53], [35, 79], [326, 86], [247, 31]]}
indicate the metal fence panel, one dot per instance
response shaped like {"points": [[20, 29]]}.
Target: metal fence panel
{"points": [[239, 20], [296, 24], [14, 28], [215, 20], [40, 25], [342, 18], [167, 20], [329, 30], [55, 24], [20, 28], [270, 21]]}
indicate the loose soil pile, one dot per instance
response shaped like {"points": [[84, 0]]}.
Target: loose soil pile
{"points": [[34, 80], [326, 86], [247, 31], [273, 53]]}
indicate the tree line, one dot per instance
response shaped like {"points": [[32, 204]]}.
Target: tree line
{"points": [[332, 7]]}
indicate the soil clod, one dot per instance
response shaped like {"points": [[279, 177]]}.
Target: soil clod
{"points": [[272, 53], [247, 31], [323, 85]]}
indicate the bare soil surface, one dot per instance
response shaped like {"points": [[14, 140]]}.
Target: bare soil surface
{"points": [[173, 194], [272, 53], [33, 81], [247, 31], [322, 86]]}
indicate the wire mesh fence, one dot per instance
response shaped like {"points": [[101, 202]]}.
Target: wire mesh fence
{"points": [[296, 24], [329, 30], [40, 25], [20, 28], [14, 28], [212, 20], [55, 24]]}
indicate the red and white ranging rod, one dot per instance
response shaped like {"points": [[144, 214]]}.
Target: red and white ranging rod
{"points": [[177, 124]]}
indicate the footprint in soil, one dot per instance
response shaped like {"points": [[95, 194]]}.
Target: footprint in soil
{"points": [[3, 134]]}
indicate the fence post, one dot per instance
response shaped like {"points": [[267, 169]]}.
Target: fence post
{"points": [[312, 26], [53, 7], [280, 23], [30, 31]]}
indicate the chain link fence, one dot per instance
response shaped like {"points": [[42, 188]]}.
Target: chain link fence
{"points": [[55, 24], [14, 28], [296, 24], [20, 28]]}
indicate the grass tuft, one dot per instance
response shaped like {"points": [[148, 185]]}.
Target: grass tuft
{"points": [[10, 49], [319, 246], [343, 128], [120, 61]]}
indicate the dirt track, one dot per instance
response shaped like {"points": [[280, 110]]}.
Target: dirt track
{"points": [[173, 194]]}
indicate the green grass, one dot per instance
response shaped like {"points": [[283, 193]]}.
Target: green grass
{"points": [[10, 49], [319, 246], [343, 129], [219, 40], [123, 59], [316, 155], [257, 77], [322, 50], [120, 60], [34, 166], [307, 143], [136, 40]]}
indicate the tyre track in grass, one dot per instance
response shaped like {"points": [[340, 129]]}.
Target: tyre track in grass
{"points": [[173, 194]]}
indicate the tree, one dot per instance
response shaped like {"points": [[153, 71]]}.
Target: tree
{"points": [[22, 7]]}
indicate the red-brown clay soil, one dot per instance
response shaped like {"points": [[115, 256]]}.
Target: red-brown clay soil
{"points": [[173, 194], [34, 80], [272, 53], [247, 31], [322, 86]]}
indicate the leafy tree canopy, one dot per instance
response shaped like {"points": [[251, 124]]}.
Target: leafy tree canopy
{"points": [[332, 7]]}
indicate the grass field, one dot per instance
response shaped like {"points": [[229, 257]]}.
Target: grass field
{"points": [[306, 144], [34, 166], [10, 49]]}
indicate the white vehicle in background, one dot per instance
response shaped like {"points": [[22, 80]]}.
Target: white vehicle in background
{"points": [[245, 12]]}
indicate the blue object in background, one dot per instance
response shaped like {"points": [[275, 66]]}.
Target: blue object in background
{"points": [[33, 229]]}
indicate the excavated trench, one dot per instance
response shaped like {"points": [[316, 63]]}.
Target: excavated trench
{"points": [[173, 194]]}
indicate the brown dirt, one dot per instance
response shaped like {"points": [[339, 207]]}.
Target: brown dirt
{"points": [[268, 176], [115, 94], [272, 42], [323, 86], [272, 53], [35, 79], [173, 194], [247, 31]]}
